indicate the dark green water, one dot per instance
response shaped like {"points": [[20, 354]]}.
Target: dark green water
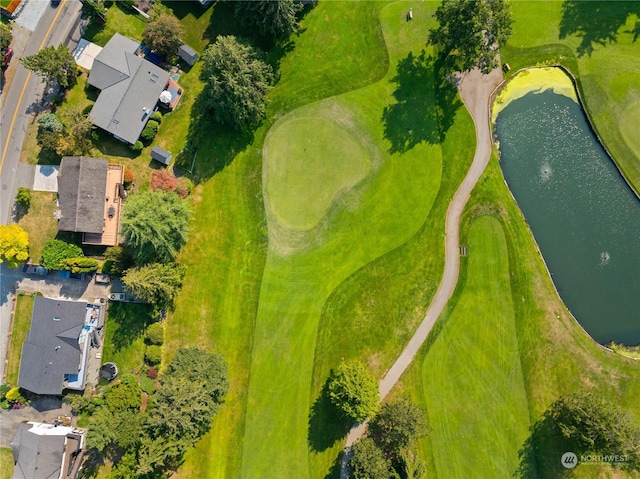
{"points": [[583, 215]]}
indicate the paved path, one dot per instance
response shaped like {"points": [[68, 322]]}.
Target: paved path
{"points": [[475, 90]]}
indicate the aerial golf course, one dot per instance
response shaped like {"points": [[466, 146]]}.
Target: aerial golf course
{"points": [[321, 239]]}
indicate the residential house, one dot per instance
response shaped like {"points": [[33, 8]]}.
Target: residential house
{"points": [[55, 352], [129, 89], [89, 195], [46, 451]]}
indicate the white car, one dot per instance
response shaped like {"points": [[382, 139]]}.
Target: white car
{"points": [[117, 297]]}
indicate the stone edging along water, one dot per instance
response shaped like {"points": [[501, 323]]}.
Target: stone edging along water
{"points": [[600, 142]]}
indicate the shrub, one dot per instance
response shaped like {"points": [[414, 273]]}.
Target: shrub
{"points": [[126, 394], [155, 334], [157, 116], [23, 198], [137, 146], [150, 131], [117, 260], [50, 122], [14, 396], [163, 180], [55, 252], [129, 175], [184, 187], [80, 265], [152, 373], [4, 389], [153, 355]]}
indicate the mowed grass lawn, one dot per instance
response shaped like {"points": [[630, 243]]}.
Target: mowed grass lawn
{"points": [[39, 222], [6, 462], [472, 378], [598, 42], [19, 331], [124, 336]]}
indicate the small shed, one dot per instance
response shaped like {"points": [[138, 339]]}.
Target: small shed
{"points": [[163, 156], [188, 54]]}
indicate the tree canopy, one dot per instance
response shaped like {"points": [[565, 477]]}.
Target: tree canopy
{"points": [[163, 34], [469, 32], [56, 252], [53, 63], [354, 391], [155, 283], [368, 461], [155, 225], [5, 36], [237, 81], [397, 425], [589, 424], [126, 394], [14, 245], [273, 18]]}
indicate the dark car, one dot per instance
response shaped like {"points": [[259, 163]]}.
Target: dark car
{"points": [[55, 3], [7, 54]]}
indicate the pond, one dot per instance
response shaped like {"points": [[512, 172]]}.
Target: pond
{"points": [[583, 215]]}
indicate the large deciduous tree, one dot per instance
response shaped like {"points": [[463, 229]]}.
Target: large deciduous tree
{"points": [[237, 81], [155, 225], [5, 36], [155, 283], [469, 32], [14, 245], [53, 63], [368, 461], [273, 18], [354, 391], [163, 34], [589, 424], [397, 425]]}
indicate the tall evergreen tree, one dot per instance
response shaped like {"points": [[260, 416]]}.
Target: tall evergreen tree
{"points": [[155, 283], [273, 18]]}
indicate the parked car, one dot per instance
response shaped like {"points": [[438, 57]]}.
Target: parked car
{"points": [[117, 297], [7, 54]]}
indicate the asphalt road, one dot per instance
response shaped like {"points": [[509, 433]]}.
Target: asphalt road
{"points": [[56, 25]]}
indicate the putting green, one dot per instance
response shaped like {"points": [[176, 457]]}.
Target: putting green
{"points": [[310, 160], [629, 127]]}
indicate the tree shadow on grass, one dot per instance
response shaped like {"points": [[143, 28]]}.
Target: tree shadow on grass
{"points": [[326, 424], [539, 457], [426, 104], [132, 320], [596, 22]]}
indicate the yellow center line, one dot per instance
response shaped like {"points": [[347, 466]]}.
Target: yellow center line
{"points": [[24, 87]]}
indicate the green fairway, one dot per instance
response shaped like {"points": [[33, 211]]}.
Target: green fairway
{"points": [[473, 382], [311, 157]]}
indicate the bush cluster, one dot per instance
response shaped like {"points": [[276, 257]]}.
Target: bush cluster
{"points": [[155, 334], [153, 355], [150, 131]]}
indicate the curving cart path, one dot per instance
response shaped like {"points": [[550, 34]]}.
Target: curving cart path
{"points": [[476, 90]]}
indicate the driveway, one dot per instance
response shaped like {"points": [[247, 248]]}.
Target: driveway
{"points": [[43, 410]]}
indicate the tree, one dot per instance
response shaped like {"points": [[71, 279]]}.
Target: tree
{"points": [[276, 19], [368, 461], [117, 260], [80, 265], [23, 197], [55, 252], [126, 394], [50, 122], [155, 334], [163, 34], [153, 354], [155, 283], [80, 131], [354, 391], [237, 81], [94, 10], [469, 32], [590, 424], [14, 245], [397, 425], [5, 36], [155, 226], [53, 64], [190, 393]]}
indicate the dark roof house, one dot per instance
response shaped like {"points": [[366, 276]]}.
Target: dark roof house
{"points": [[88, 198], [188, 54], [130, 87], [55, 352], [161, 155], [46, 451]]}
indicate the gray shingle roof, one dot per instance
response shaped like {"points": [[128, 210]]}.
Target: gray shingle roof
{"points": [[161, 155], [82, 187], [188, 54], [51, 349], [130, 87]]}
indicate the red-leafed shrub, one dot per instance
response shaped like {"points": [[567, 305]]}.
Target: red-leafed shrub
{"points": [[152, 373], [128, 176], [165, 181]]}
